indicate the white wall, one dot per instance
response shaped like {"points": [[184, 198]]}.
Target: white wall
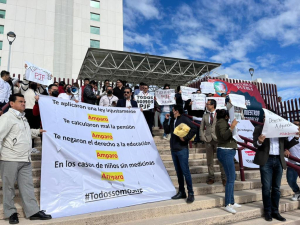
{"points": [[33, 21]]}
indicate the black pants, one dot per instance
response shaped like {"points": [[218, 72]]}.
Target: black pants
{"points": [[34, 121], [149, 116]]}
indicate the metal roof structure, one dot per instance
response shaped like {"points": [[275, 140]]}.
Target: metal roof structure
{"points": [[101, 64]]}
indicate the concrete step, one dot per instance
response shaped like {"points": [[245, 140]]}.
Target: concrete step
{"points": [[194, 170], [218, 215], [194, 162], [205, 206], [168, 157], [191, 151]]}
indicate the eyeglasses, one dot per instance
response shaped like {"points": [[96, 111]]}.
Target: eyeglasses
{"points": [[126, 92]]}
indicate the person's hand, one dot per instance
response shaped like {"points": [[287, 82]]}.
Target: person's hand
{"points": [[37, 97], [141, 109], [261, 138], [181, 138], [287, 153], [229, 101], [98, 96], [25, 66], [167, 116], [1, 112], [42, 131], [191, 103], [154, 98], [179, 92], [76, 101], [233, 124]]}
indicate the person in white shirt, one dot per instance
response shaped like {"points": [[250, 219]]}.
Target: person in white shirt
{"points": [[291, 173], [148, 113], [109, 100], [68, 95], [5, 89]]}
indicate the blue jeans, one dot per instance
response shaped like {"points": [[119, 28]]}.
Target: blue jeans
{"points": [[271, 174], [226, 157], [181, 164], [162, 118], [291, 176]]}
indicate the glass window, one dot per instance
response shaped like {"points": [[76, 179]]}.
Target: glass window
{"points": [[1, 29], [95, 4], [3, 1], [2, 14], [1, 43], [95, 17], [95, 44], [0, 61], [95, 30]]}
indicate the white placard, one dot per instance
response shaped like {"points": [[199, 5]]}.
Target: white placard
{"points": [[100, 158], [234, 132], [276, 126], [238, 100], [38, 75], [198, 101], [186, 92], [165, 97], [145, 102], [220, 102], [246, 129], [207, 87]]}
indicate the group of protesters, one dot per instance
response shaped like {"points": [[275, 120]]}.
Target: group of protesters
{"points": [[212, 129]]}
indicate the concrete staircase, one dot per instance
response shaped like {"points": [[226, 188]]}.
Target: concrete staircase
{"points": [[207, 208]]}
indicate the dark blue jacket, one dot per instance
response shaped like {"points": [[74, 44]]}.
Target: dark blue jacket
{"points": [[122, 103]]}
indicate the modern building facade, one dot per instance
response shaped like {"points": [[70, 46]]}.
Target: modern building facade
{"points": [[55, 34]]}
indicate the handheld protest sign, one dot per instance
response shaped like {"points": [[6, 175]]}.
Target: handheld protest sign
{"points": [[38, 75], [186, 92], [145, 102], [198, 102], [238, 100], [165, 97], [207, 88], [277, 127]]}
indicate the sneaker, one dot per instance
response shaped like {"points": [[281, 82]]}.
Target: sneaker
{"points": [[165, 137], [296, 197], [169, 137], [34, 150], [229, 208], [235, 205]]}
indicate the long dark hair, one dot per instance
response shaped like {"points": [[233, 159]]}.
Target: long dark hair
{"points": [[222, 113]]}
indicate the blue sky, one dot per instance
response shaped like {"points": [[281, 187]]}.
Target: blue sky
{"points": [[239, 34]]}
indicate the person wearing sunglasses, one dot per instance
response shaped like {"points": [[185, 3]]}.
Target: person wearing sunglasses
{"points": [[127, 101]]}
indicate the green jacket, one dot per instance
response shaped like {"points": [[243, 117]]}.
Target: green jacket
{"points": [[224, 135]]}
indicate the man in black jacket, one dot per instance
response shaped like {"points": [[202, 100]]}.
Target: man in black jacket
{"points": [[270, 157], [180, 151], [89, 95], [127, 101]]}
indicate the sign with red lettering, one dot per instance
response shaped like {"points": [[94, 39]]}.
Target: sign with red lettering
{"points": [[38, 75]]}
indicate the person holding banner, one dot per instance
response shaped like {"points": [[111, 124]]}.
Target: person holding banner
{"points": [[226, 151], [109, 100], [86, 82], [291, 173], [208, 135], [68, 94], [89, 95], [127, 101], [270, 158], [15, 161], [180, 151]]}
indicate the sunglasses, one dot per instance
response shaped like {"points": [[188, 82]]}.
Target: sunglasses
{"points": [[126, 92]]}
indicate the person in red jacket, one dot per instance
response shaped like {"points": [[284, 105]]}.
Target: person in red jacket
{"points": [[86, 82], [61, 87]]}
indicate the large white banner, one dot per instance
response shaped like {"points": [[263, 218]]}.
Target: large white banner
{"points": [[97, 158], [246, 129], [207, 88], [145, 102], [38, 75], [276, 126], [238, 100], [186, 92], [220, 102], [165, 97], [198, 102]]}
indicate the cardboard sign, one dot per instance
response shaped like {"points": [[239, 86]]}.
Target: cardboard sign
{"points": [[186, 92], [277, 127], [238, 100], [198, 102], [38, 75], [145, 101], [207, 88], [165, 97], [220, 102]]}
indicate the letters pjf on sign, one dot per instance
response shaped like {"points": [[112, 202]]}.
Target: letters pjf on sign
{"points": [[238, 100], [198, 102], [100, 158], [220, 102], [145, 102], [38, 75], [276, 126], [165, 97], [186, 92], [207, 88]]}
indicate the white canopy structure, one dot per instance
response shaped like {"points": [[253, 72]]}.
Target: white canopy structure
{"points": [[101, 64]]}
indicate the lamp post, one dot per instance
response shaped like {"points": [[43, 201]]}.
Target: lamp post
{"points": [[251, 71], [11, 36]]}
